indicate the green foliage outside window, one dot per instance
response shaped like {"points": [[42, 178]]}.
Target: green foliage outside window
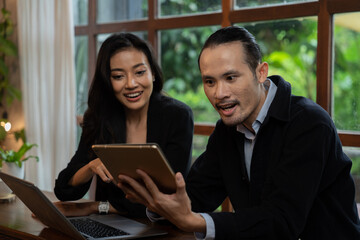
{"points": [[346, 86], [290, 49]]}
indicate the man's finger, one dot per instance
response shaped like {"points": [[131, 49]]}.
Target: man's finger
{"points": [[180, 183], [136, 187], [130, 194], [150, 185]]}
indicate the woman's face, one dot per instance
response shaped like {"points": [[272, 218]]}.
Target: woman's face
{"points": [[131, 78]]}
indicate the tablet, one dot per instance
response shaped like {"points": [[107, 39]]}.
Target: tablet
{"points": [[126, 158]]}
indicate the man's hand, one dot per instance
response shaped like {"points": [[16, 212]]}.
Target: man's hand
{"points": [[175, 207]]}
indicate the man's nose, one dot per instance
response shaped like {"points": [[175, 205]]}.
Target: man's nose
{"points": [[221, 90]]}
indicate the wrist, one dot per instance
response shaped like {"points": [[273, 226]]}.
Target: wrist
{"points": [[103, 207], [194, 223]]}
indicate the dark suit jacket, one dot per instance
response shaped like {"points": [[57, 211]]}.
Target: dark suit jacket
{"points": [[300, 184], [169, 124]]}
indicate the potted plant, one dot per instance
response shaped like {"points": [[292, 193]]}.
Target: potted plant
{"points": [[15, 158], [11, 161]]}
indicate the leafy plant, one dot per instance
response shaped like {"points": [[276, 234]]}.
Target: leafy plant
{"points": [[8, 92], [17, 157]]}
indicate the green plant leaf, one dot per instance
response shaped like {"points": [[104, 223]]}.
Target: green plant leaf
{"points": [[2, 133], [24, 148], [8, 47], [20, 135], [16, 156], [4, 70]]}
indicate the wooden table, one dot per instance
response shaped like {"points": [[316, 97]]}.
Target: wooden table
{"points": [[16, 222]]}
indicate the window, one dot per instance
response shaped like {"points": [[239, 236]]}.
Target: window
{"points": [[346, 81], [187, 7], [121, 10], [256, 3], [289, 46], [313, 44]]}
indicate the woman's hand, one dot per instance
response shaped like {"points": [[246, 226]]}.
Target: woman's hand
{"points": [[99, 169], [175, 207], [86, 173]]}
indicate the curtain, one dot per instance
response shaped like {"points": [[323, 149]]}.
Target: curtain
{"points": [[47, 69]]}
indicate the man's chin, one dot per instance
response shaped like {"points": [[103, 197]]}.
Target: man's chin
{"points": [[230, 121]]}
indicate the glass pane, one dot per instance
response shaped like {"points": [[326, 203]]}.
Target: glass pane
{"points": [[121, 10], [186, 7], [257, 3], [80, 11], [289, 46], [102, 37], [81, 71], [346, 79], [199, 145], [354, 154], [179, 53]]}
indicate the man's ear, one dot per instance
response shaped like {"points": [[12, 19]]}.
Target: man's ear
{"points": [[262, 71]]}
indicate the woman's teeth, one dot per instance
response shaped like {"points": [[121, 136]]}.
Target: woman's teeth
{"points": [[133, 95]]}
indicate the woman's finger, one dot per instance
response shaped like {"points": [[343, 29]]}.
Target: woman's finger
{"points": [[102, 174]]}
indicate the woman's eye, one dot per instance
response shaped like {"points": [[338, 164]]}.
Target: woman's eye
{"points": [[117, 77], [140, 73]]}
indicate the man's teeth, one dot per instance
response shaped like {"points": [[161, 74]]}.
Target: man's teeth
{"points": [[133, 95]]}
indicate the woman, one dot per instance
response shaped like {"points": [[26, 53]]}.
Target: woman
{"points": [[125, 105]]}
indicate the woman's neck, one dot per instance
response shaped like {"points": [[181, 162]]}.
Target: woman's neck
{"points": [[136, 126]]}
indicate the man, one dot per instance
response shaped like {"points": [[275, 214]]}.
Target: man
{"points": [[277, 156]]}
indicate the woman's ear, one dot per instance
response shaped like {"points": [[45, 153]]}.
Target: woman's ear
{"points": [[262, 71]]}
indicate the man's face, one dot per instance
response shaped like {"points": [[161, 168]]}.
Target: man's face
{"points": [[230, 85]]}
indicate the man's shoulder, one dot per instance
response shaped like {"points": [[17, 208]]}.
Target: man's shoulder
{"points": [[308, 109]]}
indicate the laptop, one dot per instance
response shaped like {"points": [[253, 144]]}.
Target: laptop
{"points": [[88, 227]]}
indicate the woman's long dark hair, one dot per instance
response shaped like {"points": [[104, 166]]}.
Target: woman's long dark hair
{"points": [[104, 110]]}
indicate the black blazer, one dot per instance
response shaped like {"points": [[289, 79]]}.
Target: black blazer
{"points": [[300, 184], [169, 124]]}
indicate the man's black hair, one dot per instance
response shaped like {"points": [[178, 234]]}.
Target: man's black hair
{"points": [[232, 34]]}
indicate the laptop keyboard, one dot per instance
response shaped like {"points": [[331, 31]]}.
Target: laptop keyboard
{"points": [[95, 229]]}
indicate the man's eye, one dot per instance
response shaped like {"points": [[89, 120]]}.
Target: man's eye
{"points": [[230, 78], [209, 82]]}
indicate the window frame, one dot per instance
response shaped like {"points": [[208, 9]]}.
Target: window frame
{"points": [[322, 9]]}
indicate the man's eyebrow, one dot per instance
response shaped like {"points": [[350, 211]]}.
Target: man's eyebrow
{"points": [[231, 72], [206, 77]]}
